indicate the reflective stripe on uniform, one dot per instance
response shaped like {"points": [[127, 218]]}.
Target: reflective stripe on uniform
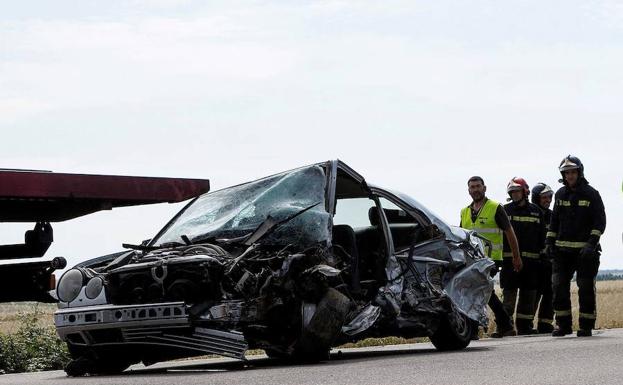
{"points": [[584, 203], [571, 245], [530, 255], [564, 203], [525, 316], [545, 321], [525, 219], [596, 232], [509, 254], [562, 313], [551, 234], [588, 316], [488, 231]]}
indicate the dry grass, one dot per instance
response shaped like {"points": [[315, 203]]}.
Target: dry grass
{"points": [[609, 305], [9, 311]]}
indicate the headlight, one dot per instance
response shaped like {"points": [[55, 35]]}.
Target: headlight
{"points": [[94, 287], [70, 285]]}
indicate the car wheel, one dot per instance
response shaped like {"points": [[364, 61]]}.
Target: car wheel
{"points": [[317, 333], [103, 364], [454, 332]]}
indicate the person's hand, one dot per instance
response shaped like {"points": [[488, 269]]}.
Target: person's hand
{"points": [[517, 264], [494, 270], [588, 251], [550, 252]]}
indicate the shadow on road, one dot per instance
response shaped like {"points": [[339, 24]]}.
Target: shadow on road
{"points": [[336, 358]]}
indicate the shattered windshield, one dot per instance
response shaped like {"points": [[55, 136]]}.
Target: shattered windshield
{"points": [[237, 211]]}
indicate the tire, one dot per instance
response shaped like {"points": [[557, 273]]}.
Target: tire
{"points": [[103, 364], [454, 332], [298, 355], [316, 337]]}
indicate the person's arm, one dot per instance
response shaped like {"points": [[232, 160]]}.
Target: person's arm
{"points": [[512, 241], [543, 231], [552, 229], [501, 219], [599, 219]]}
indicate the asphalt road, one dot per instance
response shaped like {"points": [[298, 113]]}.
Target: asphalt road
{"points": [[516, 360]]}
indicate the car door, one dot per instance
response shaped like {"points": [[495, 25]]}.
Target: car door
{"points": [[419, 247]]}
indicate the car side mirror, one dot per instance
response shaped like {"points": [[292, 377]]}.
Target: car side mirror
{"points": [[145, 242]]}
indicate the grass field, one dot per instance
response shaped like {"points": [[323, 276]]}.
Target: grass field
{"points": [[609, 305], [609, 311]]}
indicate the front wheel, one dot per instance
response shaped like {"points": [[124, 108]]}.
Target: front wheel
{"points": [[87, 361], [454, 332]]}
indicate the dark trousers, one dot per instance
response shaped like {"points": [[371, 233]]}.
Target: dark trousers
{"points": [[502, 320], [566, 263], [544, 297], [520, 288]]}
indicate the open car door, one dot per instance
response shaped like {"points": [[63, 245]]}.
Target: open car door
{"points": [[42, 197]]}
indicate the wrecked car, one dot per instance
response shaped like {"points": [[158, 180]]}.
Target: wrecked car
{"points": [[294, 264]]}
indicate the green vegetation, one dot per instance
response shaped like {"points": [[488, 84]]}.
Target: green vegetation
{"points": [[32, 347]]}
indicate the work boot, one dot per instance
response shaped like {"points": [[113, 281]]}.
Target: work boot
{"points": [[544, 328], [561, 331], [526, 332], [585, 333], [507, 332], [524, 327]]}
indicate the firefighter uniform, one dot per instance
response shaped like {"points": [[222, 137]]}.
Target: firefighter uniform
{"points": [[578, 221], [527, 221], [544, 300]]}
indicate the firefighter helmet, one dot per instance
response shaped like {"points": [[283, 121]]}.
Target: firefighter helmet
{"points": [[516, 184], [538, 190], [571, 162]]}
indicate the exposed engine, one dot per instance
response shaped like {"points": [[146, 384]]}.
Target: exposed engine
{"points": [[204, 275]]}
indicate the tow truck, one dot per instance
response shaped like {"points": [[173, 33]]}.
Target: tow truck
{"points": [[45, 197]]}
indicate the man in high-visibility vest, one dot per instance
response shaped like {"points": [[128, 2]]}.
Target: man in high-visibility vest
{"points": [[488, 219], [578, 221]]}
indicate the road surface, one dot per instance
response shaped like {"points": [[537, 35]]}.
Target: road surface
{"points": [[514, 360]]}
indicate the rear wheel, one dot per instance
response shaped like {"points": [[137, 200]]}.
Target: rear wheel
{"points": [[454, 332]]}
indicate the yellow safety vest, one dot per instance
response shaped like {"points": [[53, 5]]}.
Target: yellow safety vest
{"points": [[486, 226]]}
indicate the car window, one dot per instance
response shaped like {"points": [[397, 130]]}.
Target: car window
{"points": [[353, 212], [405, 229]]}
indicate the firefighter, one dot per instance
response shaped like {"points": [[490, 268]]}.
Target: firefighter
{"points": [[529, 226], [489, 219], [578, 221], [542, 196]]}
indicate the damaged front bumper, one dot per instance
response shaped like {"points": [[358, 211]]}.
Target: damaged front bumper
{"points": [[159, 326]]}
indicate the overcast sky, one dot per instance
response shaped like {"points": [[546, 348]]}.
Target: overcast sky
{"points": [[416, 96]]}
